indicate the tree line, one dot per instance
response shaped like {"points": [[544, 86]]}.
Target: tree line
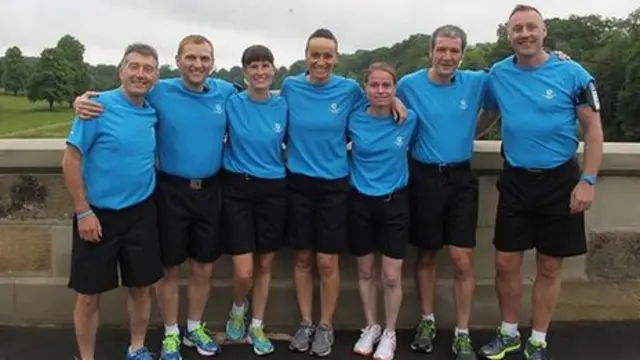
{"points": [[608, 47]]}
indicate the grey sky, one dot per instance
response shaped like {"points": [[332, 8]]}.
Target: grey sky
{"points": [[107, 26]]}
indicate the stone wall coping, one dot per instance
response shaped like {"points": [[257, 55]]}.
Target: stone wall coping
{"points": [[46, 154]]}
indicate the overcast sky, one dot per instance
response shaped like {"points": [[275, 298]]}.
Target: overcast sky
{"points": [[107, 26]]}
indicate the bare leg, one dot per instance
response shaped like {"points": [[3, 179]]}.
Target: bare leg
{"points": [[85, 318]]}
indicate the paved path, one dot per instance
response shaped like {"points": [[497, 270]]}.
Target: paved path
{"points": [[620, 341]]}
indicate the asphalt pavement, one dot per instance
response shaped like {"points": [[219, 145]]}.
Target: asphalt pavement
{"points": [[570, 341]]}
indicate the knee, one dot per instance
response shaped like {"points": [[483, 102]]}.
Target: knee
{"points": [[264, 266], [244, 274], [327, 265], [140, 293], [548, 267], [171, 275], [426, 260], [88, 303], [303, 261], [508, 264], [200, 271], [391, 278], [366, 272], [462, 264]]}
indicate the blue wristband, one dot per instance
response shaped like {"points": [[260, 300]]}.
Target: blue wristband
{"points": [[589, 179]]}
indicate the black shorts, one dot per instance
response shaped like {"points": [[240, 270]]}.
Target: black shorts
{"points": [[318, 214], [129, 239], [379, 224], [189, 219], [444, 205], [254, 213], [533, 211]]}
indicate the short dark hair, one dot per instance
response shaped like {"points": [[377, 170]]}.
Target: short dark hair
{"points": [[256, 53], [449, 31], [522, 8], [139, 48], [383, 67], [321, 33]]}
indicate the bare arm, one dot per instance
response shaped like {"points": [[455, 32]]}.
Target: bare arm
{"points": [[486, 120], [71, 168], [593, 138]]}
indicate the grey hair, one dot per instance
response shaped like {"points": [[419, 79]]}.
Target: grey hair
{"points": [[449, 31], [139, 48]]}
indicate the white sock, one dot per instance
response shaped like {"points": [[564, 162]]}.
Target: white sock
{"points": [[461, 331], [238, 309], [429, 317], [255, 323], [171, 330], [538, 336], [192, 324], [509, 328]]}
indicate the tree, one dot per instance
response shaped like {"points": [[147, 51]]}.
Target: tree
{"points": [[52, 78], [14, 75], [72, 51], [628, 114]]}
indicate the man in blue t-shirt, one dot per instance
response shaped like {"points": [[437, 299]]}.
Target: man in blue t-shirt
{"points": [[191, 129], [542, 192], [444, 190], [115, 222]]}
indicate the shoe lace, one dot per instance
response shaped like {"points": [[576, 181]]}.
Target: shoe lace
{"points": [[171, 343], [463, 344], [425, 328], [142, 354], [368, 333], [201, 333]]}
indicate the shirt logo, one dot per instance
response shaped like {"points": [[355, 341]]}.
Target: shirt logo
{"points": [[333, 108], [399, 141], [463, 104], [549, 94], [277, 128], [218, 109]]}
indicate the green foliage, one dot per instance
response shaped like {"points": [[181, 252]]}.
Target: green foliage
{"points": [[14, 71], [607, 47], [52, 79]]}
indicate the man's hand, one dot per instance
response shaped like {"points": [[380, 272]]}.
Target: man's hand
{"points": [[89, 228], [561, 55], [85, 108], [399, 111], [581, 197]]}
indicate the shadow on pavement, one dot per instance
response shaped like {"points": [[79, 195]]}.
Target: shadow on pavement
{"points": [[567, 341]]}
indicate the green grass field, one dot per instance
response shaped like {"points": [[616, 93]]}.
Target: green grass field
{"points": [[20, 118]]}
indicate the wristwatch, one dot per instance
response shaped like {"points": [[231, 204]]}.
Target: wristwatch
{"points": [[589, 179]]}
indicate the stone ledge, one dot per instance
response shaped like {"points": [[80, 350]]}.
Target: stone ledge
{"points": [[43, 301], [614, 254], [45, 155]]}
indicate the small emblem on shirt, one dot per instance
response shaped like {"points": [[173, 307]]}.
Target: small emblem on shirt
{"points": [[219, 109], [277, 128], [399, 141], [549, 94], [463, 104], [333, 108]]}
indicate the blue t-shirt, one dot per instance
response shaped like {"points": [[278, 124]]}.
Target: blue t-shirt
{"points": [[316, 139], [256, 132], [379, 149], [118, 152], [191, 127], [538, 109], [447, 114]]}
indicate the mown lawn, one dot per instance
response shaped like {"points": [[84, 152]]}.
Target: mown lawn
{"points": [[20, 118]]}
